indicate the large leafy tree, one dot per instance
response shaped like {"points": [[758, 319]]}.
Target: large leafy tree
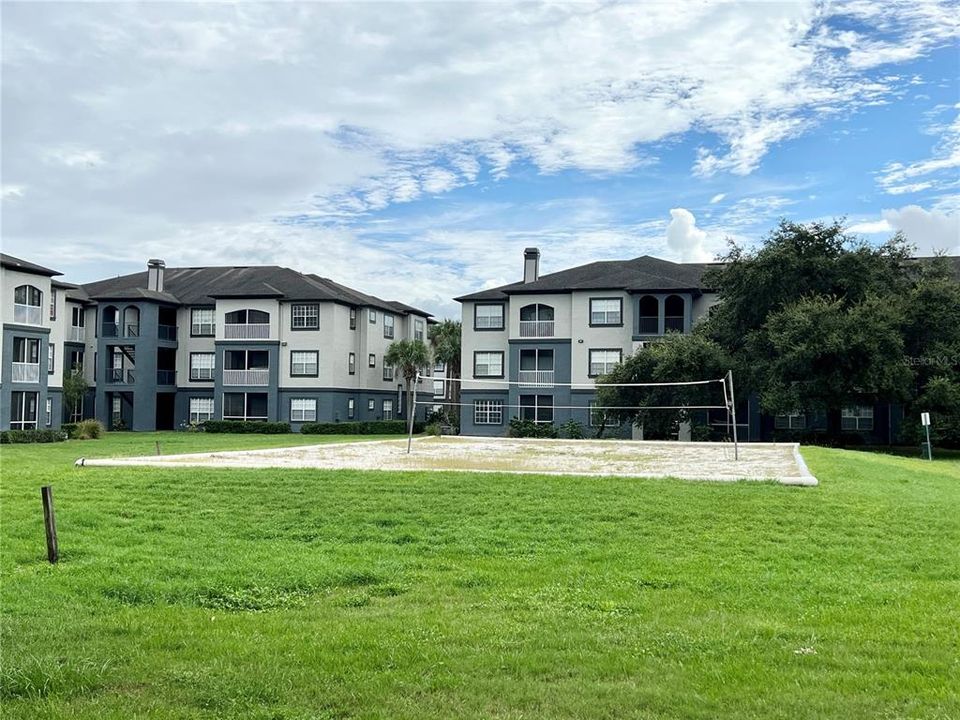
{"points": [[75, 387], [445, 342], [409, 357]]}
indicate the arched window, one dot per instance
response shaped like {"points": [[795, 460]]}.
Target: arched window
{"points": [[131, 321], [247, 325], [111, 321], [673, 314], [649, 313], [26, 305], [536, 320]]}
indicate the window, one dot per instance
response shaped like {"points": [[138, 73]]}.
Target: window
{"points": [[352, 363], [857, 417], [23, 410], [648, 312], [76, 360], [26, 305], [371, 404], [371, 360], [388, 409], [353, 318], [303, 409], [790, 421], [51, 358], [202, 366], [76, 317], [606, 311], [439, 368], [53, 306], [49, 413], [488, 364], [304, 363], [26, 350], [418, 330], [538, 408], [373, 317], [351, 409], [488, 412], [438, 388], [603, 361], [488, 317], [245, 406], [305, 317], [27, 295], [76, 413], [388, 321], [673, 314], [247, 317], [201, 409], [115, 409], [202, 322], [387, 372]]}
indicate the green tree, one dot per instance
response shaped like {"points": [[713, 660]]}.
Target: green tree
{"points": [[409, 357], [75, 388], [445, 342]]}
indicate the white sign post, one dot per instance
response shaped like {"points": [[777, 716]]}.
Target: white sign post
{"points": [[925, 421]]}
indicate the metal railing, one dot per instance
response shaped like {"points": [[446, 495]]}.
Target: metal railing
{"points": [[120, 376], [27, 314], [167, 332], [26, 372], [166, 377], [130, 330], [246, 331], [536, 378], [673, 323], [536, 328], [260, 376], [77, 334], [649, 326]]}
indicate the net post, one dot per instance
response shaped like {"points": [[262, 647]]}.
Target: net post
{"points": [[412, 410], [733, 412]]}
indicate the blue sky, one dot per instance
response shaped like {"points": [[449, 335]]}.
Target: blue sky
{"points": [[414, 150]]}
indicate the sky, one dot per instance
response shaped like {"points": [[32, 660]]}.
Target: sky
{"points": [[414, 150]]}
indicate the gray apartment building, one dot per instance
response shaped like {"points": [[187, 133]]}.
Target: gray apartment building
{"points": [[171, 346]]}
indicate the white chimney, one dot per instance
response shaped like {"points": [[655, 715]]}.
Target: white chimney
{"points": [[531, 265], [155, 274]]}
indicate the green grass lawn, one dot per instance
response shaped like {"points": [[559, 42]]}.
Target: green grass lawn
{"points": [[296, 594]]}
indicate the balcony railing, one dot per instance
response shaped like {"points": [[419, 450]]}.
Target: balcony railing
{"points": [[120, 376], [536, 378], [260, 376], [649, 326], [27, 314], [673, 324], [167, 332], [166, 377], [26, 372], [77, 334], [115, 329], [246, 331], [536, 328]]}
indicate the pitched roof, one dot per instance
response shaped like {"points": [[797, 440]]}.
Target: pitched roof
{"points": [[644, 273], [9, 261], [202, 285]]}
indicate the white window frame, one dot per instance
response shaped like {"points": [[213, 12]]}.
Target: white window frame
{"points": [[483, 321], [600, 318], [538, 407], [205, 370], [303, 409], [857, 418], [389, 326], [488, 412], [387, 409], [305, 316], [200, 409], [301, 367], [372, 316], [371, 405], [246, 407], [48, 407], [482, 359], [351, 409], [51, 358], [598, 368], [197, 327], [23, 423], [388, 372], [53, 303], [418, 329], [351, 363], [790, 421]]}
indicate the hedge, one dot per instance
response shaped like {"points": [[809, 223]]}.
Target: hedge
{"points": [[373, 427], [9, 437], [243, 426]]}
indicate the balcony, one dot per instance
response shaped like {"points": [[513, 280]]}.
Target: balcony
{"points": [[536, 378], [167, 332], [130, 330], [166, 377], [258, 377], [27, 314], [247, 331], [26, 372], [76, 334], [120, 376], [536, 328]]}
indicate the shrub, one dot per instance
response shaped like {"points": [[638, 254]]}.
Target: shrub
{"points": [[246, 427], [373, 427], [434, 428], [572, 429], [529, 429], [119, 425], [10, 437], [87, 430]]}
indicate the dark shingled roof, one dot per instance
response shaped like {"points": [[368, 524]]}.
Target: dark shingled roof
{"points": [[8, 261], [640, 274], [201, 285]]}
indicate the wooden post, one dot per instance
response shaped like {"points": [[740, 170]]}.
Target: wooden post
{"points": [[158, 447], [49, 523]]}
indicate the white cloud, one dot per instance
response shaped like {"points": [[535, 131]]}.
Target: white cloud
{"points": [[73, 157], [11, 192], [942, 170], [717, 198], [685, 239], [930, 231]]}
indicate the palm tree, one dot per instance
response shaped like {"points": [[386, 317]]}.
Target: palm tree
{"points": [[408, 357], [445, 341]]}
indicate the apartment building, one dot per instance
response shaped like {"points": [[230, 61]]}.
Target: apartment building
{"points": [[171, 346]]}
